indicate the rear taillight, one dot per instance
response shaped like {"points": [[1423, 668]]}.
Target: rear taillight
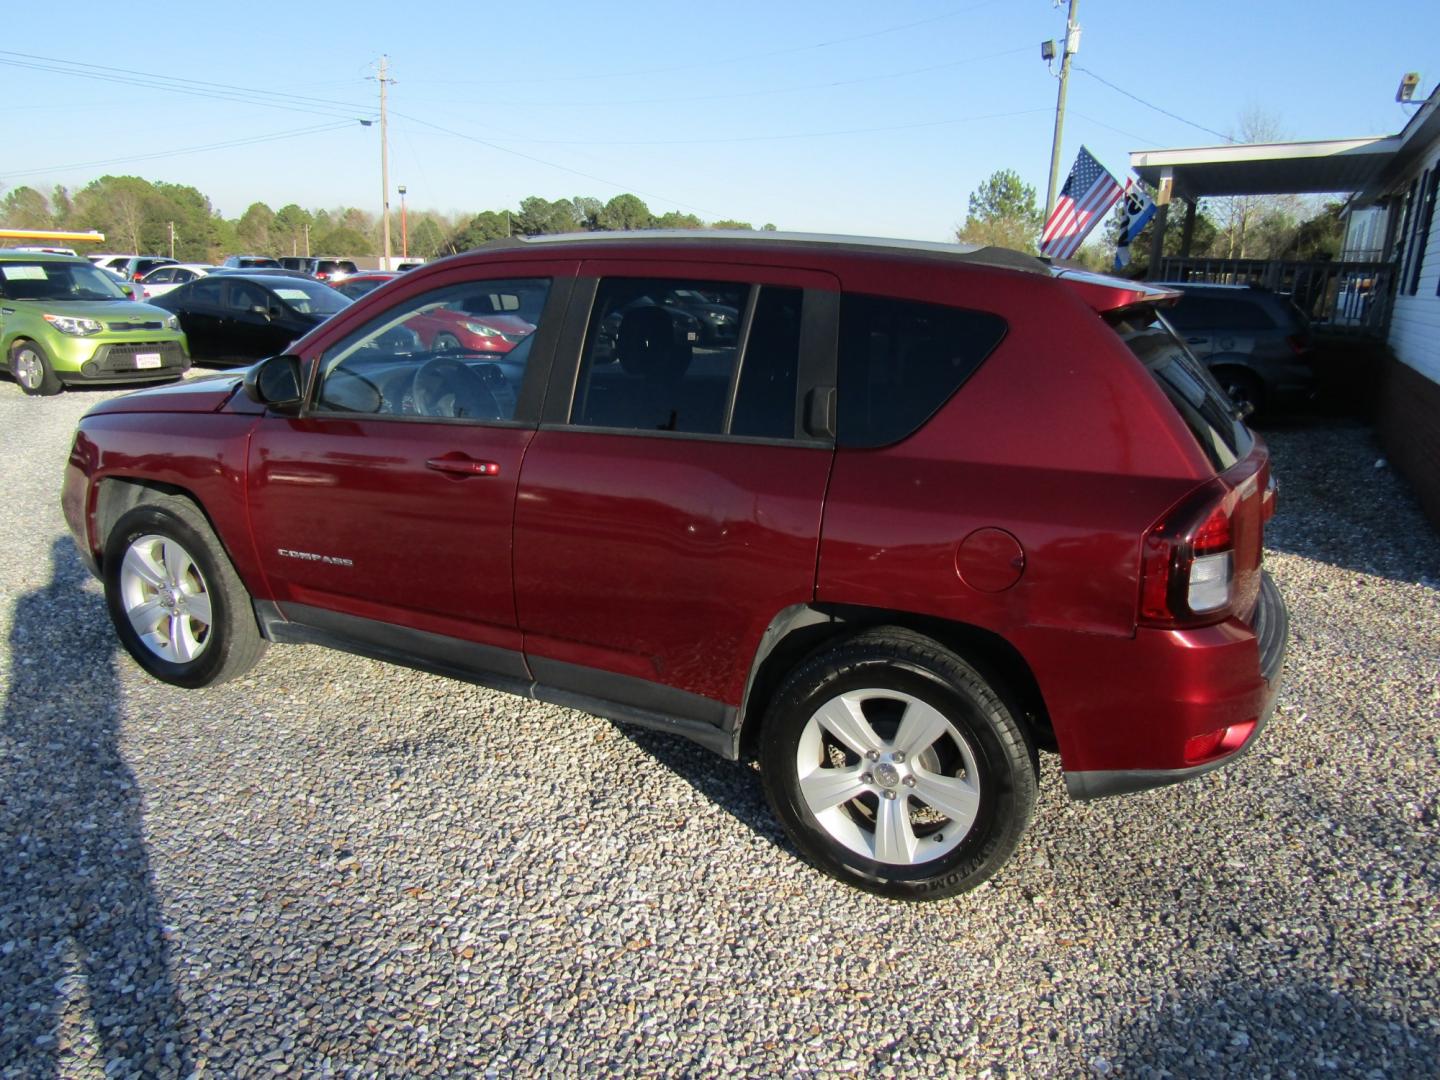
{"points": [[1298, 345], [1187, 572]]}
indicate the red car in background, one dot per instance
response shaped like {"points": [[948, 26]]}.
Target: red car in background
{"points": [[445, 329]]}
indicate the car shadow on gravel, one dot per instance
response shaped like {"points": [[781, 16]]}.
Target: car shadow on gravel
{"points": [[85, 969], [1243, 1026], [734, 786]]}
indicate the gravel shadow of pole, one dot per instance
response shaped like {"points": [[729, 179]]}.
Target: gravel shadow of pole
{"points": [[84, 964]]}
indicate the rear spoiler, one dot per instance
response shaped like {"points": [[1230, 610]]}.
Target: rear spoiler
{"points": [[1112, 295]]}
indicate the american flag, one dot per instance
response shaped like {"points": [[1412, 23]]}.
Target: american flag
{"points": [[1089, 192]]}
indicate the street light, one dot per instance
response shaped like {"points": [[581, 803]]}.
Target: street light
{"points": [[404, 233]]}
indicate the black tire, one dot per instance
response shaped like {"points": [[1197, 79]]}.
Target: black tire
{"points": [[446, 343], [224, 647], [917, 668], [31, 368], [1242, 388]]}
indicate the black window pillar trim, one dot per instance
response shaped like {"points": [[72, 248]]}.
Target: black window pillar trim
{"points": [[565, 370], [819, 345]]}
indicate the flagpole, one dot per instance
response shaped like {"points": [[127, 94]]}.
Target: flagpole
{"points": [[1072, 46]]}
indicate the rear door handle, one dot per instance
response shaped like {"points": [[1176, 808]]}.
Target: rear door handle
{"points": [[1196, 340], [462, 465]]}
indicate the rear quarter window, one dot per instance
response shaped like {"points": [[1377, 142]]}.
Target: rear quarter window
{"points": [[900, 360], [1188, 385]]}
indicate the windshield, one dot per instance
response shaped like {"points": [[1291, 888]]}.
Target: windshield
{"points": [[58, 281], [310, 297], [1187, 382]]}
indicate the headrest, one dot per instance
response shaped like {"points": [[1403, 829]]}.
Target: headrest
{"points": [[651, 345]]}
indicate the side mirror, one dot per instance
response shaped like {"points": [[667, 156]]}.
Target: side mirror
{"points": [[275, 383], [134, 292]]}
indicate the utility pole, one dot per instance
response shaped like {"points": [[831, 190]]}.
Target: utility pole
{"points": [[172, 239], [307, 239], [1072, 46], [385, 81], [404, 231]]}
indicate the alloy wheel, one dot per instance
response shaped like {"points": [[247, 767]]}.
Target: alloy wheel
{"points": [[166, 598], [888, 776]]}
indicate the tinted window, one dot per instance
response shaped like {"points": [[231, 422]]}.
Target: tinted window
{"points": [[243, 296], [667, 355], [1189, 386], [1220, 313], [201, 294], [453, 353], [900, 360], [765, 396]]}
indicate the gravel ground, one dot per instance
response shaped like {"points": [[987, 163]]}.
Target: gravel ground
{"points": [[335, 867]]}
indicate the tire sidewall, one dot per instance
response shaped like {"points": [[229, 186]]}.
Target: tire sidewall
{"points": [[154, 520], [49, 381], [991, 838]]}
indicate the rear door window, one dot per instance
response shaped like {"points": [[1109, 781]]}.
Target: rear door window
{"points": [[1188, 384], [900, 360], [700, 357]]}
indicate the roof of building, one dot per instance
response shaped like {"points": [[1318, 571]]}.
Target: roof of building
{"points": [[1366, 166]]}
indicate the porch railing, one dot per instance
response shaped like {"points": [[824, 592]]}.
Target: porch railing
{"points": [[1341, 297]]}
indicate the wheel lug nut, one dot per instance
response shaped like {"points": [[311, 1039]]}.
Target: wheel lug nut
{"points": [[889, 794], [867, 778], [909, 781], [873, 755], [898, 756]]}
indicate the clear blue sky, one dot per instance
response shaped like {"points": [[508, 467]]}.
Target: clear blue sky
{"points": [[837, 117]]}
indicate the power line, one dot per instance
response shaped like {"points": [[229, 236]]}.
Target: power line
{"points": [[188, 87], [788, 135], [550, 164], [749, 93], [1149, 105], [253, 140], [725, 62], [1112, 127]]}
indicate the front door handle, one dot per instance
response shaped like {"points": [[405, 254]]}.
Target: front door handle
{"points": [[1196, 340], [462, 465]]}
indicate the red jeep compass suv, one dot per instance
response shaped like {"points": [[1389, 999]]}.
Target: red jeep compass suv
{"points": [[926, 511]]}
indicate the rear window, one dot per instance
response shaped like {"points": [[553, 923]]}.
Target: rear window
{"points": [[900, 360], [1238, 312], [1197, 397]]}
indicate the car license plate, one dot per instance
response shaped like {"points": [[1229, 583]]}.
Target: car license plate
{"points": [[147, 360]]}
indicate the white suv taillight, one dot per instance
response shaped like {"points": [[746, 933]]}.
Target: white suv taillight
{"points": [[1187, 572]]}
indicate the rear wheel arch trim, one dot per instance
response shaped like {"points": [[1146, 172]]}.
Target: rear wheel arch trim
{"points": [[798, 631]]}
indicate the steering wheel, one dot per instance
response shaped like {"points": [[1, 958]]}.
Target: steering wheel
{"points": [[447, 386]]}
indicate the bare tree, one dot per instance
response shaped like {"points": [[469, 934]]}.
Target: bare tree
{"points": [[1238, 215]]}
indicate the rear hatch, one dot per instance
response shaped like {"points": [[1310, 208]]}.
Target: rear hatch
{"points": [[1201, 559], [1218, 528]]}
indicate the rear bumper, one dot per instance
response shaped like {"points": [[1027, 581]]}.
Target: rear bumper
{"points": [[1270, 632]]}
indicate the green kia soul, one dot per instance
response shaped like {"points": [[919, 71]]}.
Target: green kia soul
{"points": [[64, 321]]}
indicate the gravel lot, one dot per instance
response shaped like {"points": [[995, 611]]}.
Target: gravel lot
{"points": [[335, 867]]}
